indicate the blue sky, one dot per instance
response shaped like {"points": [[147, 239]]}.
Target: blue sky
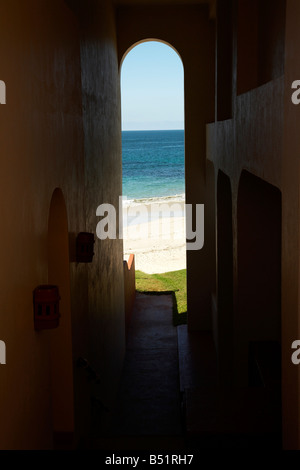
{"points": [[152, 95]]}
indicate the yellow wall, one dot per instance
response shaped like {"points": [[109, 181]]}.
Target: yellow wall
{"points": [[40, 135], [103, 184], [47, 143]]}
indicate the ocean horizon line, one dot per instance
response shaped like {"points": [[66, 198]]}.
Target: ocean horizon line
{"points": [[151, 130]]}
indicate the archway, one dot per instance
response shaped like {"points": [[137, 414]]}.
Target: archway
{"points": [[153, 151], [61, 337], [198, 56]]}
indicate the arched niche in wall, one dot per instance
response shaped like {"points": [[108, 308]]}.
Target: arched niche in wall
{"points": [[224, 323], [258, 317], [61, 337]]}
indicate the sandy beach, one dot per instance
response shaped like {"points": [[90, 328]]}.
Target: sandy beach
{"points": [[156, 236]]}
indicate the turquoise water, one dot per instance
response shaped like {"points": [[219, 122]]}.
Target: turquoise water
{"points": [[153, 164]]}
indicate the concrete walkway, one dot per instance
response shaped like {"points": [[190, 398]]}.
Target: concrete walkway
{"points": [[149, 397], [169, 397], [149, 400], [148, 409]]}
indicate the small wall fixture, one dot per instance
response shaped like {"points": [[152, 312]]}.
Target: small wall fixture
{"points": [[46, 307], [85, 247]]}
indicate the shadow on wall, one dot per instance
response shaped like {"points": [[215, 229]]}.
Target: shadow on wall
{"points": [[259, 267], [129, 289], [224, 326]]}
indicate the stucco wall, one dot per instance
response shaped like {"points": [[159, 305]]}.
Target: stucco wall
{"points": [[103, 185], [262, 137], [290, 232], [41, 149], [52, 137]]}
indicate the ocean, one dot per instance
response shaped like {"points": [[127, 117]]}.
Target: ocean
{"points": [[153, 194], [153, 165]]}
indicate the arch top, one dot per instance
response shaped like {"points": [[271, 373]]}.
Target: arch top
{"points": [[58, 207], [142, 41]]}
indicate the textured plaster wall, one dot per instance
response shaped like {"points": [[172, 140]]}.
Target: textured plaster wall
{"points": [[53, 136], [263, 138], [103, 183], [290, 232], [41, 149], [251, 140]]}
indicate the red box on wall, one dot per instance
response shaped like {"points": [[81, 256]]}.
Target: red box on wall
{"points": [[46, 307]]}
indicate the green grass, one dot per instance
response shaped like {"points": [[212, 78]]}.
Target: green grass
{"points": [[171, 282]]}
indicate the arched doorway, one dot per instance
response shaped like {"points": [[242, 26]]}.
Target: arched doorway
{"points": [[152, 90], [198, 57], [61, 337]]}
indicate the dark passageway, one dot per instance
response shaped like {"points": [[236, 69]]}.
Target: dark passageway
{"points": [[170, 398], [148, 408]]}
